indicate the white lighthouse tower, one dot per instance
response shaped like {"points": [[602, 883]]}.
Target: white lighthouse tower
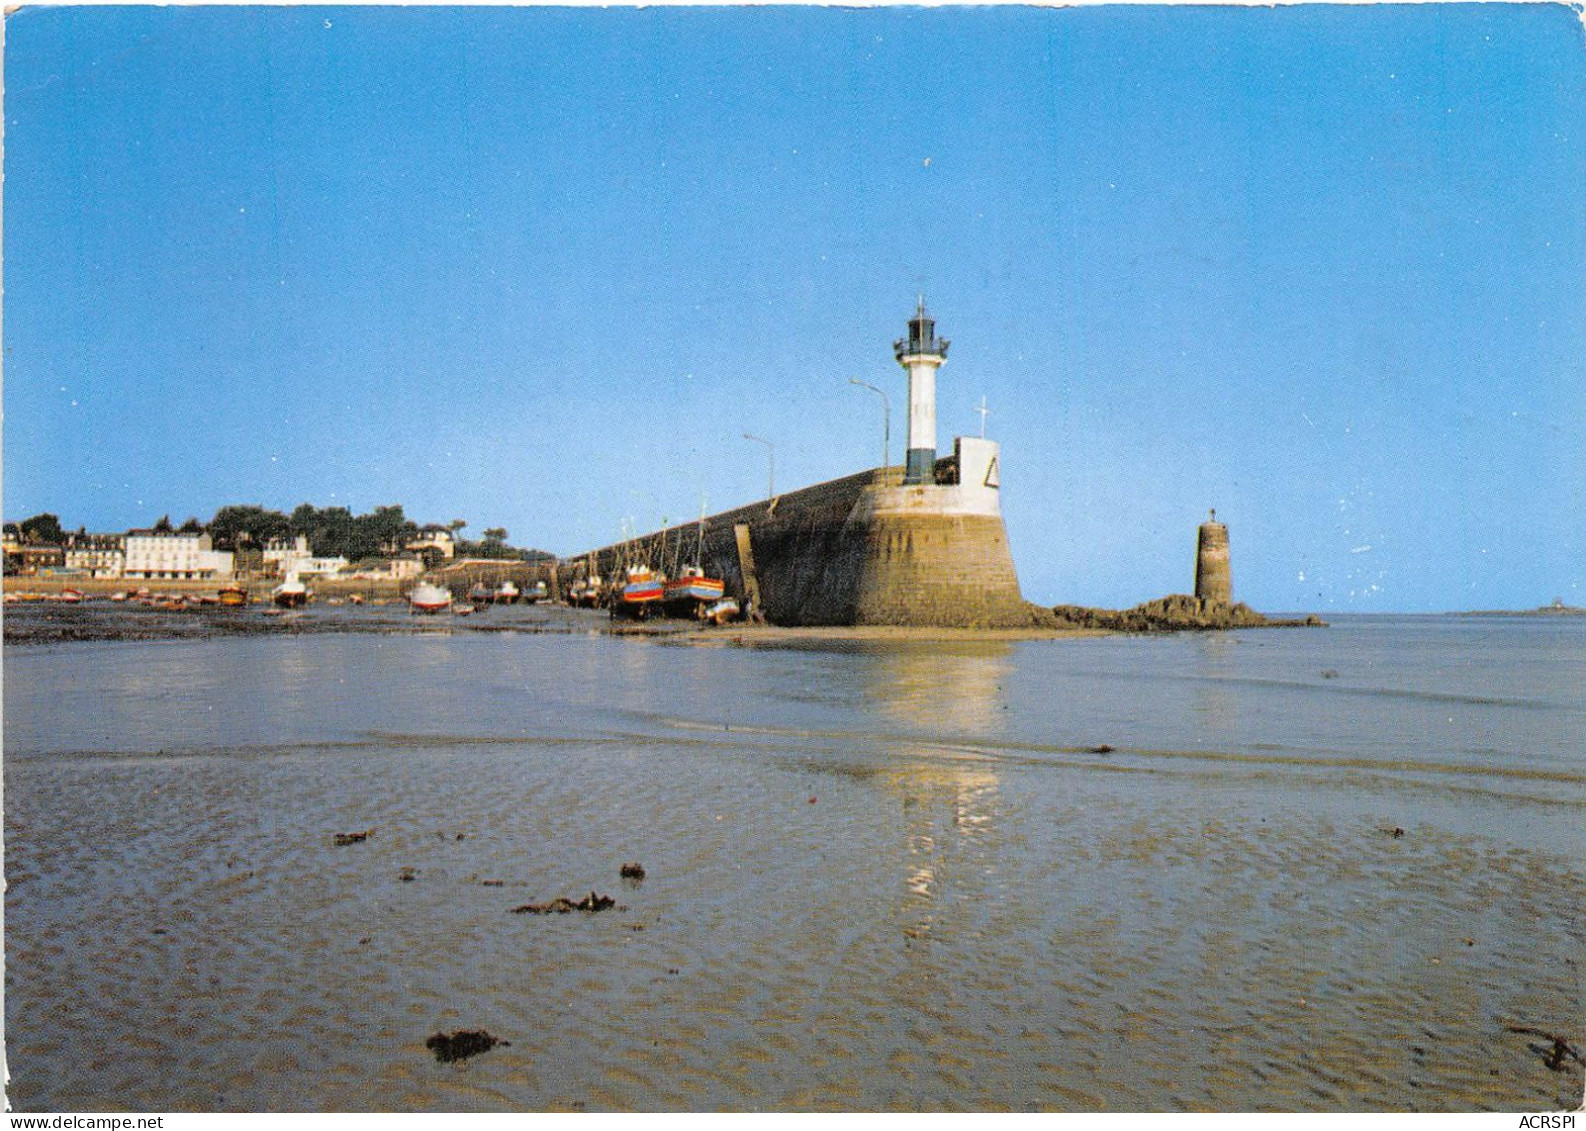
{"points": [[920, 354]]}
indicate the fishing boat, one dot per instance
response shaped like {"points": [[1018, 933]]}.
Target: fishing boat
{"points": [[640, 593], [481, 594], [291, 593], [233, 595], [507, 593], [71, 596], [588, 591], [537, 594], [689, 593], [428, 598]]}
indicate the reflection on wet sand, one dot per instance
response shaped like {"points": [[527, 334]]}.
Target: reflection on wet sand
{"points": [[947, 796], [1216, 709]]}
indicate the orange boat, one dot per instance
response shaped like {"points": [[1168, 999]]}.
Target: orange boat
{"points": [[642, 592]]}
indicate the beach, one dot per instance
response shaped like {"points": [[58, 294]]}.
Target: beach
{"points": [[1321, 870]]}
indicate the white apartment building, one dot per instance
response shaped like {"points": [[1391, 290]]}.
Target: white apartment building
{"points": [[96, 555], [171, 555]]}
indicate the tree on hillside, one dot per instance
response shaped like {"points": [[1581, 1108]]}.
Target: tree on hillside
{"points": [[384, 531], [329, 531], [493, 545], [245, 526], [191, 526], [43, 529], [163, 526]]}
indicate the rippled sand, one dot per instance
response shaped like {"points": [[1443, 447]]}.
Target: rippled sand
{"points": [[852, 900]]}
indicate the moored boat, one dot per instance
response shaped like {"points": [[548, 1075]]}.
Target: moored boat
{"points": [[586, 593], [233, 595], [640, 593], [722, 611], [507, 593], [481, 594], [291, 593], [689, 593], [428, 598]]}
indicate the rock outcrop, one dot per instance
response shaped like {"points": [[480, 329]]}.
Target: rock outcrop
{"points": [[1176, 613]]}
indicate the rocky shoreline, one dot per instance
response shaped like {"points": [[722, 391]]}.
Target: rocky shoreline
{"points": [[1175, 613]]}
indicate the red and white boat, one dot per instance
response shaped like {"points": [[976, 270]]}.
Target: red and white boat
{"points": [[691, 591], [427, 598], [642, 592]]}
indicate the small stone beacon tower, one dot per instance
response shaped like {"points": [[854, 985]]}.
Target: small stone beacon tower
{"points": [[920, 354], [1213, 580]]}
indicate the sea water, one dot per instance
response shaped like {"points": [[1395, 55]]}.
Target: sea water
{"points": [[1312, 869]]}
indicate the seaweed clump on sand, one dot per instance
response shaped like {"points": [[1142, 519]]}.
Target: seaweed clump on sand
{"points": [[462, 1044], [1555, 1058], [341, 840], [561, 905]]}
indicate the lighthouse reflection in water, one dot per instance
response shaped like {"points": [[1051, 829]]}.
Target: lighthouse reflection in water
{"points": [[948, 788]]}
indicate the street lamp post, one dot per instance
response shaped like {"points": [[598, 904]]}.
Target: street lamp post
{"points": [[886, 420], [770, 448]]}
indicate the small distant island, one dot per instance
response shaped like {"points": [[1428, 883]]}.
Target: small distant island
{"points": [[1557, 609]]}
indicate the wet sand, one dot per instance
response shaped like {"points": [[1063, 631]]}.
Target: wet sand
{"points": [[862, 891]]}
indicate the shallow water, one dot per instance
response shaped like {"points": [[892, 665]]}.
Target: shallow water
{"points": [[889, 875]]}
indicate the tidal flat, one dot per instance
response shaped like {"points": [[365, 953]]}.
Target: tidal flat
{"points": [[1312, 870]]}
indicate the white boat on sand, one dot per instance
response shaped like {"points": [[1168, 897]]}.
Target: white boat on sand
{"points": [[428, 598]]}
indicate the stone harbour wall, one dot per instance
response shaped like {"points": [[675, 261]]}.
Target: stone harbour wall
{"points": [[824, 556]]}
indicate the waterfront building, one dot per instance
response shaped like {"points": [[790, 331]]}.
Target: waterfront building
{"points": [[283, 558], [386, 569], [434, 543], [174, 555], [32, 560], [96, 555]]}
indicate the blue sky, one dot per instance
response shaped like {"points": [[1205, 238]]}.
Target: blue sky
{"points": [[1321, 268]]}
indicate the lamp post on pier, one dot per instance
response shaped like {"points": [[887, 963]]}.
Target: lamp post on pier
{"points": [[770, 448], [886, 420]]}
